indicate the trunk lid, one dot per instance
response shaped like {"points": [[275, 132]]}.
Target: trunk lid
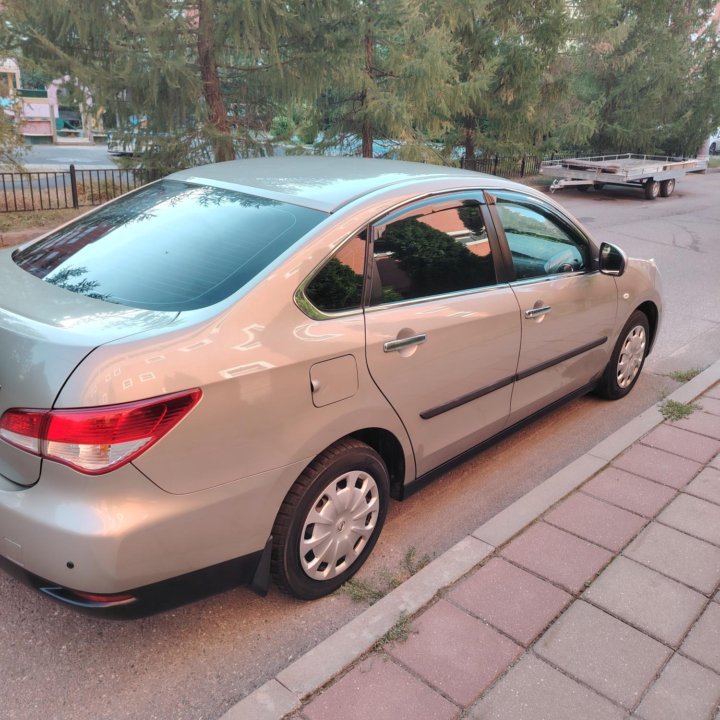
{"points": [[45, 332]]}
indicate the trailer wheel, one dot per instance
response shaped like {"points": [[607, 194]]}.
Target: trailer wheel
{"points": [[582, 188], [598, 185], [652, 189], [667, 187]]}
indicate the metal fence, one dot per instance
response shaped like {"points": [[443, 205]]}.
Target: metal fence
{"points": [[73, 188]]}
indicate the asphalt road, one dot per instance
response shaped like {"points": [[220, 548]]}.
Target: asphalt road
{"points": [[196, 661], [90, 156]]}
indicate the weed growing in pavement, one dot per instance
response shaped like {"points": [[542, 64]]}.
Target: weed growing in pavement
{"points": [[674, 411], [363, 591], [683, 376], [399, 632]]}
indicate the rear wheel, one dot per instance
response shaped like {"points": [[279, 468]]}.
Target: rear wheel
{"points": [[652, 189], [330, 520], [627, 358], [667, 187]]}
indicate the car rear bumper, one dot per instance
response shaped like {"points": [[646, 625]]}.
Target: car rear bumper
{"points": [[118, 533], [157, 597]]}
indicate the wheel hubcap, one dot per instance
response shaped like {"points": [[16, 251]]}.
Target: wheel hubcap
{"points": [[339, 525], [631, 356]]}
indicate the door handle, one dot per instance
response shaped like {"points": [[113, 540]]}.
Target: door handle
{"points": [[537, 311], [402, 343]]}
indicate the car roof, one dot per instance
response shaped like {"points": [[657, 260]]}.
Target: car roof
{"points": [[323, 183]]}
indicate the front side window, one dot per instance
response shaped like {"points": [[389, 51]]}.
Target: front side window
{"points": [[436, 249], [169, 246], [539, 244]]}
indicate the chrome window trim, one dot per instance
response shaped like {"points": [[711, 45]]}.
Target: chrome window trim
{"points": [[554, 276], [434, 298]]}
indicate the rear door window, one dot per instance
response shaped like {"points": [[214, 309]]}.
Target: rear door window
{"points": [[170, 246], [437, 248]]}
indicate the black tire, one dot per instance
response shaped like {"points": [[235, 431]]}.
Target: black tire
{"points": [[627, 359], [667, 187], [713, 148], [652, 189], [598, 185], [583, 188], [309, 576]]}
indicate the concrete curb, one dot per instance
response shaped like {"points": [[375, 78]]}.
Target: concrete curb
{"points": [[285, 693]]}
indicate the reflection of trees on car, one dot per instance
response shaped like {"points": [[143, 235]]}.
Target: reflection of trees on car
{"points": [[336, 287], [434, 261]]}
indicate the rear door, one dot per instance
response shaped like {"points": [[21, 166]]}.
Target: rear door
{"points": [[442, 325], [567, 307]]}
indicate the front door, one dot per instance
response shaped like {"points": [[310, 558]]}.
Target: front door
{"points": [[567, 308]]}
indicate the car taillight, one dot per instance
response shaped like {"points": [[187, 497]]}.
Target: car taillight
{"points": [[98, 439]]}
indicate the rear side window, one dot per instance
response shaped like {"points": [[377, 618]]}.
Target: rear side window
{"points": [[169, 246], [339, 284]]}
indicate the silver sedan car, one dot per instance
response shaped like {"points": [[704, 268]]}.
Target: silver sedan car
{"points": [[235, 368]]}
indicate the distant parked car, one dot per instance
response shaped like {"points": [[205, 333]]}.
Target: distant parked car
{"points": [[140, 141], [237, 366], [715, 143]]}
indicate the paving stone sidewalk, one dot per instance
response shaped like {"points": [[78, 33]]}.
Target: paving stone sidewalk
{"points": [[606, 607], [604, 604]]}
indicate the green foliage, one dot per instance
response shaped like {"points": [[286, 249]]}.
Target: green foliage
{"points": [[281, 127], [399, 632], [433, 261], [491, 76], [370, 592], [648, 72], [362, 592], [11, 143], [674, 411], [335, 287], [684, 376]]}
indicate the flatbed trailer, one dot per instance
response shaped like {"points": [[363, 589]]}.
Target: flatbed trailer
{"points": [[656, 175]]}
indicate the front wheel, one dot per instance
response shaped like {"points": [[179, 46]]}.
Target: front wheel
{"points": [[627, 358], [330, 520]]}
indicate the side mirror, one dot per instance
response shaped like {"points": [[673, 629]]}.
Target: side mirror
{"points": [[612, 259]]}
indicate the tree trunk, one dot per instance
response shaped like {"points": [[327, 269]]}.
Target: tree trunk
{"points": [[367, 131], [470, 162], [217, 115]]}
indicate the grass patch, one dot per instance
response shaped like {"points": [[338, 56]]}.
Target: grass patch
{"points": [[361, 591], [399, 632], [674, 411], [370, 592], [46, 219], [683, 376], [714, 162]]}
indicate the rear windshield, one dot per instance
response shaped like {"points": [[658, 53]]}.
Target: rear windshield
{"points": [[169, 246]]}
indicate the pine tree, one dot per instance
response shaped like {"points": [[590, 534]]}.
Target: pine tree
{"points": [[651, 71], [508, 74], [11, 144], [203, 70], [387, 75]]}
